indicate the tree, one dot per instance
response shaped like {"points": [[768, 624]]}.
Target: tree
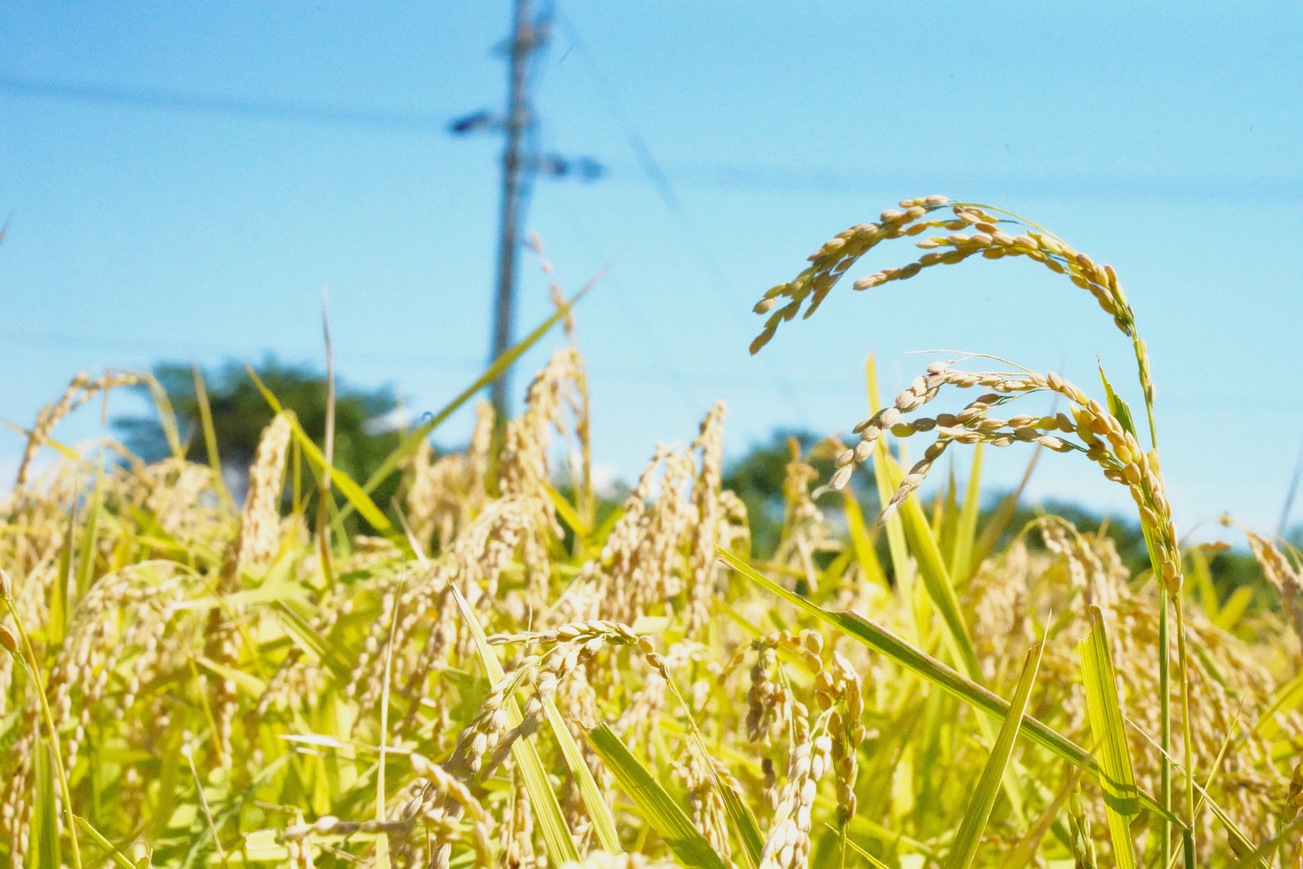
{"points": [[757, 478], [240, 412]]}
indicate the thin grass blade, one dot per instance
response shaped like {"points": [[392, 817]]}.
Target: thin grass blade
{"points": [[45, 820], [594, 801], [862, 540], [210, 435], [357, 498]]}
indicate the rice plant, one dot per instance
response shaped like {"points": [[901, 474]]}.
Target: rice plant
{"points": [[496, 670]]}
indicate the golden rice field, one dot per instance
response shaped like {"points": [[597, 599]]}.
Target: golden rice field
{"points": [[500, 673]]}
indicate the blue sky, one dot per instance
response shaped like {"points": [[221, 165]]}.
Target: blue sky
{"points": [[1162, 138]]}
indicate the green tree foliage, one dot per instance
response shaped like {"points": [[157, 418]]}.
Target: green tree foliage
{"points": [[240, 413], [757, 478]]}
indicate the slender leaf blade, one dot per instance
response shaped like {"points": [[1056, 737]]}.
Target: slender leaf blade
{"points": [[98, 838]]}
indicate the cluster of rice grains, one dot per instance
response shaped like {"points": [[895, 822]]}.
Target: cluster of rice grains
{"points": [[237, 685], [1224, 685]]}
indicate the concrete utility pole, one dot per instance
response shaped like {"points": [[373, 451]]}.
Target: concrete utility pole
{"points": [[524, 39], [521, 162]]}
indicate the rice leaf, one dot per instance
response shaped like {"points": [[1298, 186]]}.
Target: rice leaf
{"points": [[568, 513], [744, 824], [669, 821], [247, 682], [542, 798], [1228, 617], [865, 855], [988, 786], [318, 648], [1259, 856], [1288, 697], [1121, 803], [896, 547], [937, 581], [61, 599], [1118, 407], [918, 538]]}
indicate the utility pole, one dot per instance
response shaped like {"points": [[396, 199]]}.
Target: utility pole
{"points": [[521, 162], [523, 42]]}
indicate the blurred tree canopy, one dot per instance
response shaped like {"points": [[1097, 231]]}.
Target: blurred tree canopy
{"points": [[757, 478], [240, 413]]}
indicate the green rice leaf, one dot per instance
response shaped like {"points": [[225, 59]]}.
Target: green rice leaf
{"points": [[357, 498], [568, 513], [864, 855], [310, 641], [251, 685], [922, 542], [896, 547], [210, 435], [744, 823], [862, 540], [669, 821], [937, 581], [988, 786], [1121, 802]]}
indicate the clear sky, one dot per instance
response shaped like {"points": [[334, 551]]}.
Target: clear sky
{"points": [[181, 179]]}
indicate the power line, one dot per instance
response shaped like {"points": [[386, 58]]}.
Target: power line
{"points": [[726, 176], [269, 110]]}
